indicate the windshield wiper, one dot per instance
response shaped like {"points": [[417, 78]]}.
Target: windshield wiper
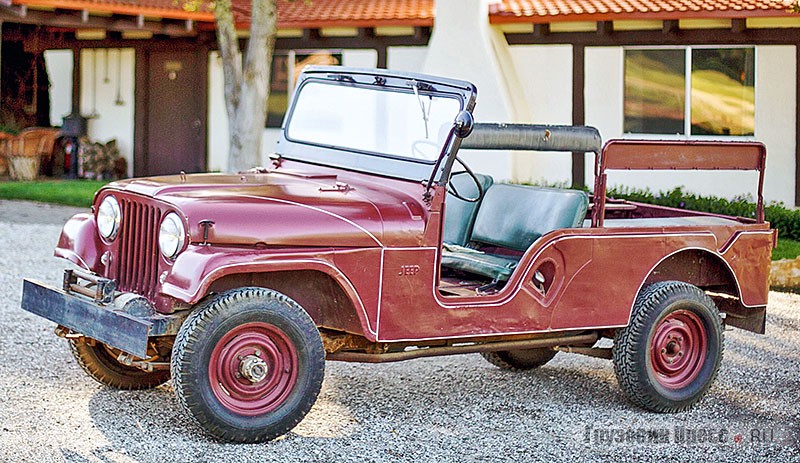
{"points": [[425, 114]]}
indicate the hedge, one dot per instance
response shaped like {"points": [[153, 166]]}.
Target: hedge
{"points": [[786, 220]]}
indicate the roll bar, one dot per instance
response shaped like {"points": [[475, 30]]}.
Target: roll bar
{"points": [[677, 155], [533, 137]]}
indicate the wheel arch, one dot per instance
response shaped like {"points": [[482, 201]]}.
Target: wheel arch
{"points": [[710, 272], [324, 298]]}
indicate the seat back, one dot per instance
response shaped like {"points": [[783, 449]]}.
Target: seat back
{"points": [[459, 216], [514, 216]]}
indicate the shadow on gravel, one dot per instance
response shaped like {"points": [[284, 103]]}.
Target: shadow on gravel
{"points": [[430, 410], [375, 403]]}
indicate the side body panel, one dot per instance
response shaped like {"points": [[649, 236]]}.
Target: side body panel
{"points": [[596, 275]]}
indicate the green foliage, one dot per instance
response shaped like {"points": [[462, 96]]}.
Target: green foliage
{"points": [[787, 249], [67, 192], [786, 220]]}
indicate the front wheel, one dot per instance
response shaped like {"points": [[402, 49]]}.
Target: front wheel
{"points": [[249, 365], [668, 356], [100, 362]]}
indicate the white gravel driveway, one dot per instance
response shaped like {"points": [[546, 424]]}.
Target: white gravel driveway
{"points": [[458, 409]]}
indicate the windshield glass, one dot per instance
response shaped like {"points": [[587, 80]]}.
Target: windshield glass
{"points": [[410, 124]]}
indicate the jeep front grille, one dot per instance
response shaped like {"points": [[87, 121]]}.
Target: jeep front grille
{"points": [[137, 258]]}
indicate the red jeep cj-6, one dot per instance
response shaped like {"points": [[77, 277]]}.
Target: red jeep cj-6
{"points": [[368, 240]]}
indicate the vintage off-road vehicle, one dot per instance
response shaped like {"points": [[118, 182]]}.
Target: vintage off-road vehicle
{"points": [[368, 240]]}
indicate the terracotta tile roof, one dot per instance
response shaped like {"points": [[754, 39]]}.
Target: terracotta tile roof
{"points": [[150, 8], [543, 11], [296, 14], [347, 13]]}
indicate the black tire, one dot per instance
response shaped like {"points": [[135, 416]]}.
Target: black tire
{"points": [[231, 399], [668, 356], [519, 360], [100, 362]]}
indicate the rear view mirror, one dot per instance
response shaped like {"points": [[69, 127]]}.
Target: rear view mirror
{"points": [[463, 124]]}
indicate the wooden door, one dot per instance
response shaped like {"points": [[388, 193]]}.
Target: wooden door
{"points": [[175, 119]]}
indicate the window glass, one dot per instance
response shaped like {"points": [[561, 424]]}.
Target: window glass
{"points": [[278, 99], [655, 91], [720, 95], [397, 123], [723, 91]]}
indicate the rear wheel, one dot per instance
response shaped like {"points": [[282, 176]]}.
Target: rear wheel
{"points": [[519, 360], [100, 362], [668, 356], [249, 365]]}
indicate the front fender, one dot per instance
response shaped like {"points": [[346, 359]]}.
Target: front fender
{"points": [[199, 266], [80, 243]]}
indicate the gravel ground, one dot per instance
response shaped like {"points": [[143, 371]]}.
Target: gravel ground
{"points": [[458, 409]]}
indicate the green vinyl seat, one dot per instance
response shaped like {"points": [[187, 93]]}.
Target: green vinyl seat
{"points": [[514, 217], [459, 215]]}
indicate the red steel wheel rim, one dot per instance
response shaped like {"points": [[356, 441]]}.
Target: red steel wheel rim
{"points": [[253, 368], [678, 349]]}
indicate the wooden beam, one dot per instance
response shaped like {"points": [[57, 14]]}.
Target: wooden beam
{"points": [[140, 113], [80, 19], [670, 26], [1, 56], [311, 35], [310, 40], [797, 127], [777, 36], [76, 81], [382, 58], [366, 33], [738, 26], [578, 112]]}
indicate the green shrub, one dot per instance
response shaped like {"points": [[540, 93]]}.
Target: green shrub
{"points": [[786, 220]]}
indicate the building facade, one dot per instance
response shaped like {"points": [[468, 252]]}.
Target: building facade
{"points": [[724, 70]]}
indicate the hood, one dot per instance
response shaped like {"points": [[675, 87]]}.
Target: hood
{"points": [[292, 208]]}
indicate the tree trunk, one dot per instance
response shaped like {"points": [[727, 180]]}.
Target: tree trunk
{"points": [[246, 85]]}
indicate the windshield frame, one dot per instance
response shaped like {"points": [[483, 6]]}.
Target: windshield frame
{"points": [[371, 80], [410, 91]]}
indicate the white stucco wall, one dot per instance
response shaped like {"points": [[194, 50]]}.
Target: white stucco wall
{"points": [[409, 59], [774, 125], [218, 117], [465, 46], [546, 75], [107, 118], [59, 71]]}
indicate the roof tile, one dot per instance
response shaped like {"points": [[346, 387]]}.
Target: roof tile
{"points": [[291, 14], [541, 11]]}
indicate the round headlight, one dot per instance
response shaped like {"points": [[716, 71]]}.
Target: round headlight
{"points": [[108, 218], [171, 236]]}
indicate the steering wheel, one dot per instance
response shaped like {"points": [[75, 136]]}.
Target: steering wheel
{"points": [[451, 189], [418, 153]]}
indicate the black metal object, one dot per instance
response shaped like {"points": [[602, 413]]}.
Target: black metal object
{"points": [[102, 290], [73, 127], [116, 329], [532, 137], [126, 324]]}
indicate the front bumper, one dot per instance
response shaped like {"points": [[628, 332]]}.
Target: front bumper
{"points": [[121, 320]]}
